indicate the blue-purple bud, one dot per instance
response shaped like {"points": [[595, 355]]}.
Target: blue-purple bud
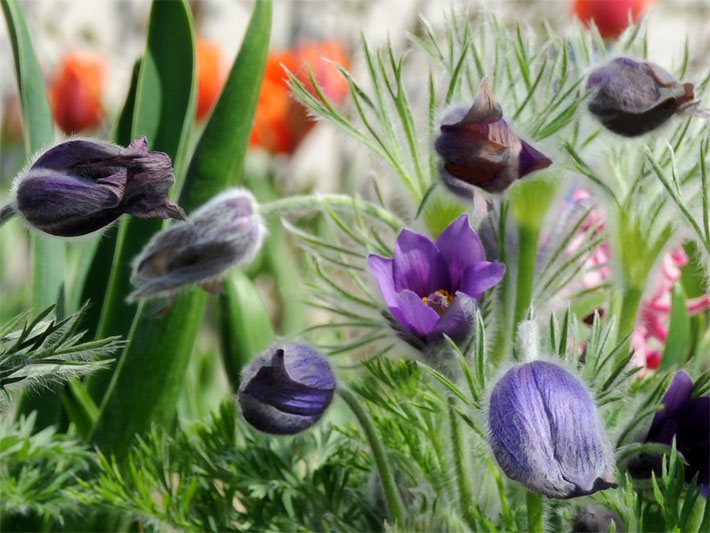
{"points": [[545, 433], [286, 389], [632, 97], [225, 232], [479, 149], [82, 185]]}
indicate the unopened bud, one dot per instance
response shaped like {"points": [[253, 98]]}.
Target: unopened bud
{"points": [[82, 185], [223, 233], [286, 389], [545, 432], [479, 149], [632, 97]]}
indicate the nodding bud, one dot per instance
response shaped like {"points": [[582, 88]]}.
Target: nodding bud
{"points": [[545, 433], [633, 97], [286, 389], [225, 232], [82, 185], [479, 149]]}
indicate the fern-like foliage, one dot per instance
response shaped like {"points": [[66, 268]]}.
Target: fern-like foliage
{"points": [[38, 471], [46, 350]]}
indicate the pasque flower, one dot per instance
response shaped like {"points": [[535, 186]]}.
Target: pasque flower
{"points": [[479, 149], [223, 233], [432, 288], [286, 389], [633, 97], [82, 185], [686, 419], [75, 92], [545, 433]]}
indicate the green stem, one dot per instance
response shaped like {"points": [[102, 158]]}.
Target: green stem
{"points": [[395, 507], [311, 202], [6, 213], [630, 301], [535, 507], [527, 258], [461, 464]]}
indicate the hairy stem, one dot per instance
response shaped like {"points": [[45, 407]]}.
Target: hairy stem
{"points": [[535, 506], [395, 507], [462, 471], [310, 202], [527, 256], [6, 213]]}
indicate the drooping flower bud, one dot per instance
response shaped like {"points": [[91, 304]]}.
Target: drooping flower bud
{"points": [[286, 389], [545, 433], [632, 97], [82, 185], [225, 232], [479, 149]]}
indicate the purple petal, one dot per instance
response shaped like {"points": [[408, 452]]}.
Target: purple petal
{"points": [[69, 153], [531, 159], [457, 322], [418, 265], [675, 401], [381, 269], [460, 247], [694, 440], [480, 277], [415, 315]]}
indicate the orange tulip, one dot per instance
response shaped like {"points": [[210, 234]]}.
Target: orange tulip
{"points": [[75, 92], [281, 122], [610, 16], [211, 75]]}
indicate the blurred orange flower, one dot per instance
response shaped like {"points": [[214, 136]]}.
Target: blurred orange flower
{"points": [[610, 16], [211, 75], [281, 122], [75, 92]]}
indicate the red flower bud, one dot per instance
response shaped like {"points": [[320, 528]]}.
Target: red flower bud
{"points": [[75, 92]]}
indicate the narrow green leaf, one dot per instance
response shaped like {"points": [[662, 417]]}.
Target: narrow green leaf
{"points": [[245, 325], [147, 383], [679, 338]]}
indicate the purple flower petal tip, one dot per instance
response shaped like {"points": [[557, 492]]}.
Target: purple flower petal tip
{"points": [[432, 288]]}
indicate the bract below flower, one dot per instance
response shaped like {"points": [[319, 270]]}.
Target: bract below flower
{"points": [[432, 288]]}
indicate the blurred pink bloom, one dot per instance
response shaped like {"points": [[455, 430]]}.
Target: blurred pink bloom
{"points": [[649, 336]]}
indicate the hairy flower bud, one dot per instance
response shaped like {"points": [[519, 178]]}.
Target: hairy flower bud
{"points": [[225, 232], [479, 149], [633, 97], [82, 185], [545, 433], [286, 389]]}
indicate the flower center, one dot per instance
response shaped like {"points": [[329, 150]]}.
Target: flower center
{"points": [[439, 300]]}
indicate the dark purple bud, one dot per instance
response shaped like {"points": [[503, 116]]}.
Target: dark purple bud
{"points": [[82, 185], [225, 232], [633, 97], [686, 419], [286, 389], [479, 149], [545, 432], [432, 288]]}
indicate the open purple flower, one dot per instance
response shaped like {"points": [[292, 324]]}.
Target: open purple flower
{"points": [[688, 420], [432, 288], [82, 185], [545, 433], [479, 149]]}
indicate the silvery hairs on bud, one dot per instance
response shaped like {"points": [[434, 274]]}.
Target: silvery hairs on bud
{"points": [[82, 185], [225, 232]]}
